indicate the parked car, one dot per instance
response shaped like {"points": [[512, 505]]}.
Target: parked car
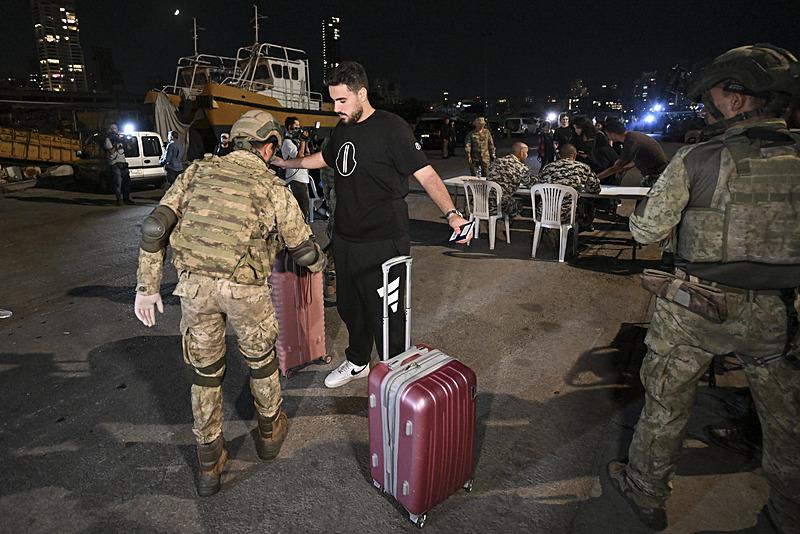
{"points": [[143, 151], [428, 132], [520, 126]]}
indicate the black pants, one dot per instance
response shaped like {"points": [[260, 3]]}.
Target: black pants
{"points": [[172, 175], [121, 181], [358, 282], [300, 192]]}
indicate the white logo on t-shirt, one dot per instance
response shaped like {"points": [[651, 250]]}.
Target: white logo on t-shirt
{"points": [[346, 159], [418, 146]]}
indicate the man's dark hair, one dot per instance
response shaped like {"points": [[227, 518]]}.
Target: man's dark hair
{"points": [[615, 126], [174, 134], [289, 121], [110, 124], [349, 73]]}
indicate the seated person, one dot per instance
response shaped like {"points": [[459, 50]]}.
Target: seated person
{"points": [[567, 171], [510, 172]]}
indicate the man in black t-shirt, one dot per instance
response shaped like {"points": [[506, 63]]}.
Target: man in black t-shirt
{"points": [[373, 152], [638, 150]]}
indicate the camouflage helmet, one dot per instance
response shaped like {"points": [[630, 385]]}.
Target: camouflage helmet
{"points": [[255, 125], [762, 70]]}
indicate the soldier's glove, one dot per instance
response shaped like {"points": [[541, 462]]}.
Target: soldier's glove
{"points": [[144, 307]]}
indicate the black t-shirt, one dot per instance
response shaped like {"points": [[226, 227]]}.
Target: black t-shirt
{"points": [[372, 160], [563, 135]]}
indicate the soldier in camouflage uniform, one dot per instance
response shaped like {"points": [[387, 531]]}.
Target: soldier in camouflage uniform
{"points": [[225, 219], [510, 172], [735, 205], [479, 148], [567, 171]]}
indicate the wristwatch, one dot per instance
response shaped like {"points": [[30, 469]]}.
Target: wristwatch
{"points": [[451, 212]]}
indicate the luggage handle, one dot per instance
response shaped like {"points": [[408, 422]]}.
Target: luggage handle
{"points": [[385, 267]]}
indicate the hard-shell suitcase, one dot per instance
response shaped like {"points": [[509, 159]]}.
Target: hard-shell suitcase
{"points": [[421, 419], [297, 298]]}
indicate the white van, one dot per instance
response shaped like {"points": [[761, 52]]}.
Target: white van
{"points": [[143, 151]]}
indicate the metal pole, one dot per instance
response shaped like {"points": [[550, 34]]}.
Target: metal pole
{"points": [[194, 34]]}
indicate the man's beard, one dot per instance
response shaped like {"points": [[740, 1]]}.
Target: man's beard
{"points": [[350, 119]]}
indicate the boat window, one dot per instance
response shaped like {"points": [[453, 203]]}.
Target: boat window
{"points": [[262, 72], [276, 71], [286, 72], [151, 146], [295, 73]]}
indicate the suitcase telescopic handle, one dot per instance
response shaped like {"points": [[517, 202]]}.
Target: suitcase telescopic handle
{"points": [[385, 267]]}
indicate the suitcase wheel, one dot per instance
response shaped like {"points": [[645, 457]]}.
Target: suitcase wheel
{"points": [[327, 358], [289, 373], [418, 520], [468, 486]]}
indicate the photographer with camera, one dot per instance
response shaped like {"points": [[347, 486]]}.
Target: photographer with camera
{"points": [[296, 145], [114, 145]]}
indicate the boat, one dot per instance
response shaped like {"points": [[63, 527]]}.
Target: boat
{"points": [[211, 92]]}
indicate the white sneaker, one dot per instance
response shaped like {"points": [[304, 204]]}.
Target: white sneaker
{"points": [[346, 372]]}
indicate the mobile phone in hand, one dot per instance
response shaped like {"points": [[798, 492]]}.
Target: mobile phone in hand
{"points": [[463, 231]]}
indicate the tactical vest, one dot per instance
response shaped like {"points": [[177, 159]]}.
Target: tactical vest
{"points": [[220, 222], [755, 214]]}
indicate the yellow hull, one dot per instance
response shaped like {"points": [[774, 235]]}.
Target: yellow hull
{"points": [[223, 105]]}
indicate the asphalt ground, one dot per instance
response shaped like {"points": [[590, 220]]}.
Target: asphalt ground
{"points": [[95, 434]]}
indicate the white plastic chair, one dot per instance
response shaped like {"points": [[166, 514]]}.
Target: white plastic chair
{"points": [[315, 201], [552, 196], [477, 193]]}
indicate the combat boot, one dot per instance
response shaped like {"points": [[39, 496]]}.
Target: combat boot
{"points": [[270, 434], [655, 518], [736, 439], [211, 457]]}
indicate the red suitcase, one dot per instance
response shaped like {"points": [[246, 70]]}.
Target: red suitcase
{"points": [[299, 308], [421, 419]]}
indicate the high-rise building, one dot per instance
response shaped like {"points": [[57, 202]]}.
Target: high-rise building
{"points": [[644, 92], [576, 95], [607, 98], [61, 62], [331, 44]]}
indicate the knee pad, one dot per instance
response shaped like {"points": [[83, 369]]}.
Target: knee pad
{"points": [[267, 370], [201, 377]]}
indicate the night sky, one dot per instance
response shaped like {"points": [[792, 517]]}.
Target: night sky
{"points": [[427, 47]]}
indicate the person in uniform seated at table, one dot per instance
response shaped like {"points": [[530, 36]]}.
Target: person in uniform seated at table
{"points": [[566, 171], [510, 173]]}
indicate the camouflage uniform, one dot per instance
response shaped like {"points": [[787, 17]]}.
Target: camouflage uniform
{"points": [[570, 173], [479, 145], [698, 187], [222, 204], [510, 173]]}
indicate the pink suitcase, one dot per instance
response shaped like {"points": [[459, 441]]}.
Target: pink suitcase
{"points": [[299, 308], [421, 419]]}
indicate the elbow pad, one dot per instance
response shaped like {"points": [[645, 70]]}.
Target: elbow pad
{"points": [[157, 228], [307, 253]]}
